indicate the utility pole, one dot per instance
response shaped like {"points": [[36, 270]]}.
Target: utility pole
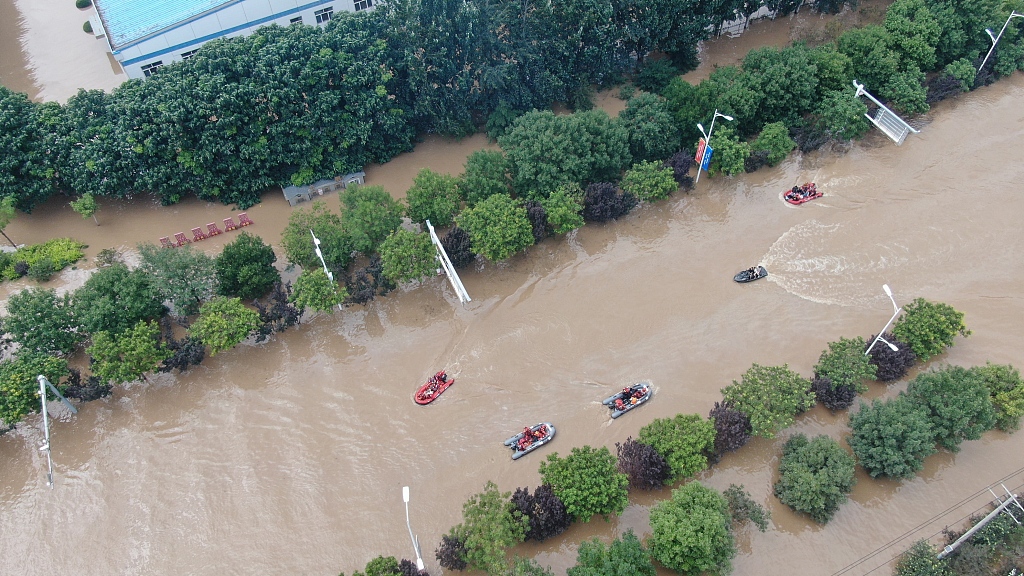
{"points": [[1010, 499]]}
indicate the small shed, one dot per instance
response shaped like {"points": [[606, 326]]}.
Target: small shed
{"points": [[296, 194]]}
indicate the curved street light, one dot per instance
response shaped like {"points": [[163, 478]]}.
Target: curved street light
{"points": [[320, 255], [896, 313], [415, 542], [707, 138], [995, 39]]}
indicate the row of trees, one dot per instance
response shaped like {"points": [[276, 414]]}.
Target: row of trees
{"points": [[292, 105], [692, 532]]}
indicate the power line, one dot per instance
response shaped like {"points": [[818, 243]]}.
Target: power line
{"points": [[917, 528]]}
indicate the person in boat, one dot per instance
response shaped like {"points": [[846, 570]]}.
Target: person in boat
{"points": [[441, 376], [638, 393], [752, 272], [619, 404]]}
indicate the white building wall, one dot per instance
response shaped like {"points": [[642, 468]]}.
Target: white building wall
{"points": [[169, 45]]}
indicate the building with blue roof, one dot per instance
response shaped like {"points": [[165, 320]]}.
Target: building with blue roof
{"points": [[144, 35]]}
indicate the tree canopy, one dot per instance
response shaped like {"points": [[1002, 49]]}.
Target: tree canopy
{"points": [[408, 256], [771, 396], [314, 290], [490, 525], [223, 323], [184, 277], [692, 531], [40, 321], [127, 356], [497, 227], [245, 268], [587, 481], [369, 214], [892, 437], [115, 299], [929, 327], [957, 402], [433, 197], [685, 441], [814, 476], [19, 389], [625, 556]]}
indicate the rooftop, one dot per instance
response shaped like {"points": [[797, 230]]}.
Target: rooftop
{"points": [[127, 21]]}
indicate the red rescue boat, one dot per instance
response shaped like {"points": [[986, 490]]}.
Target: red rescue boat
{"points": [[800, 194], [433, 388]]}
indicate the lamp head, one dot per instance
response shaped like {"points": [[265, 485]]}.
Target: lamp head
{"points": [[729, 118], [990, 35], [419, 563], [701, 128], [405, 494], [888, 292], [892, 347]]}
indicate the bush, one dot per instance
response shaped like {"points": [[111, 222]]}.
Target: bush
{"points": [[958, 404], [498, 227], [680, 163], [685, 442], [649, 181], [833, 397], [691, 532], [544, 511], [730, 154], [451, 552], [587, 481], [732, 428], [891, 364], [774, 139], [814, 476], [929, 327], [603, 201], [641, 463], [846, 365], [51, 256], [892, 437], [87, 27], [245, 268], [491, 525], [920, 560], [771, 396], [743, 509], [83, 4], [486, 174], [755, 161], [42, 270], [564, 209], [655, 75], [538, 218], [626, 555], [433, 197], [458, 247], [1006, 390]]}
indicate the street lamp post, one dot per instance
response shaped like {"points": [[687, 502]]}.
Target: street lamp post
{"points": [[707, 138], [896, 313], [995, 39], [320, 255], [415, 542]]}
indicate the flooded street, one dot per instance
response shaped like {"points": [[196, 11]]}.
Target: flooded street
{"points": [[290, 456]]}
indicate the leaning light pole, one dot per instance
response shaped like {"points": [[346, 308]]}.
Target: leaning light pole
{"points": [[415, 541], [896, 313], [43, 385], [320, 255], [995, 39], [704, 156]]}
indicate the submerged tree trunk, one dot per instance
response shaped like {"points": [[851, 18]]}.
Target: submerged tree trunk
{"points": [[8, 238]]}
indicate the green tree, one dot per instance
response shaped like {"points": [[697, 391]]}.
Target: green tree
{"points": [[86, 206], [564, 209], [369, 214], [963, 70], [692, 533], [245, 268], [913, 32], [684, 441], [490, 525], [547, 151], [742, 508], [815, 476], [730, 155], [433, 197], [652, 131], [774, 139], [115, 299], [892, 437], [771, 396], [906, 92], [184, 277], [929, 327], [126, 357], [407, 256], [25, 176], [874, 62], [625, 556], [841, 115], [297, 241], [40, 321], [382, 566], [1006, 390], [649, 181], [957, 402], [486, 174], [314, 290], [921, 560], [787, 80], [497, 227], [835, 69], [19, 389], [527, 567], [587, 481], [223, 323], [846, 364]]}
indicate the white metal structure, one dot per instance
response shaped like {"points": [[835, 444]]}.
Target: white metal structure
{"points": [[1003, 506], [43, 385], [320, 255], [886, 120], [707, 139], [446, 265], [415, 541], [897, 309], [995, 39]]}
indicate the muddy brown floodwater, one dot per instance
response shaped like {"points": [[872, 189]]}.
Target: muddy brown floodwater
{"points": [[289, 457]]}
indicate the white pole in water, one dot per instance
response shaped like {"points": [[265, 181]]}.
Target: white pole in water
{"points": [[888, 293], [707, 138], [316, 248], [415, 542], [43, 384]]}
